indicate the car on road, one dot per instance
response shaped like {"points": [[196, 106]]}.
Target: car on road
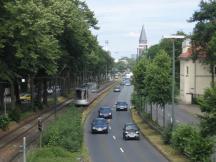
{"points": [[127, 82], [121, 106], [99, 125], [131, 131], [117, 89], [105, 112], [25, 97]]}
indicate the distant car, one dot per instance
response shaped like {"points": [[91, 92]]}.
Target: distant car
{"points": [[131, 131], [121, 106], [127, 82], [99, 125], [117, 89], [105, 112], [25, 97]]}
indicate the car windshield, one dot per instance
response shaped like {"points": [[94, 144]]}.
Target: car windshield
{"points": [[105, 109], [99, 121], [131, 127], [121, 103]]}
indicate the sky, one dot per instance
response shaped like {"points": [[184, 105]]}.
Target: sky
{"points": [[120, 21]]}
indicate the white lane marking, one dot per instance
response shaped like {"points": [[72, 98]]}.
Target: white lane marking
{"points": [[121, 149], [114, 137], [110, 128]]}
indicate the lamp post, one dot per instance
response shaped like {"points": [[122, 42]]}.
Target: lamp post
{"points": [[173, 37]]}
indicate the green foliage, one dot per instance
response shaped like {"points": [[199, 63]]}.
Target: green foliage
{"points": [[15, 114], [4, 122], [203, 37], [158, 79], [189, 141], [167, 134], [208, 106], [66, 132], [51, 154]]}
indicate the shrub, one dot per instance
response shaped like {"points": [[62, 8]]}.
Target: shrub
{"points": [[180, 136], [167, 134], [50, 154], [4, 122], [189, 141], [66, 131]]}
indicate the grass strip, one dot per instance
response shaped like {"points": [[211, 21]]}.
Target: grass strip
{"points": [[156, 140]]}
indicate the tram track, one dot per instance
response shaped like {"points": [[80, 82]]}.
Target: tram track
{"points": [[10, 148]]}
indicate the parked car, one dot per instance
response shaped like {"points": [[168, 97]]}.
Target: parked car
{"points": [[105, 112], [25, 97], [131, 131], [117, 89], [121, 105], [99, 125]]}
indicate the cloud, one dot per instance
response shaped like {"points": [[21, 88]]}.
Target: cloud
{"points": [[133, 34]]}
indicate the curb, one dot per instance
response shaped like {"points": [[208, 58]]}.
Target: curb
{"points": [[148, 139]]}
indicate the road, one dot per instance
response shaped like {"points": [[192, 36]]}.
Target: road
{"points": [[112, 147]]}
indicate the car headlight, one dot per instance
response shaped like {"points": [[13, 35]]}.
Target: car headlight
{"points": [[93, 127], [137, 132], [104, 127], [126, 132], [101, 114], [110, 113]]}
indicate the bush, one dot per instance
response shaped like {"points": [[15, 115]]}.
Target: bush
{"points": [[180, 136], [4, 122], [66, 131], [50, 154], [167, 134], [189, 141], [15, 114]]}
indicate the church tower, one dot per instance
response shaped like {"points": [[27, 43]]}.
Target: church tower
{"points": [[142, 42]]}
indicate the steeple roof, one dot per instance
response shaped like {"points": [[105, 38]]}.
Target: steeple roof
{"points": [[143, 38]]}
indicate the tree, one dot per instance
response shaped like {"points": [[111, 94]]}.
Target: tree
{"points": [[203, 36], [158, 81], [208, 106]]}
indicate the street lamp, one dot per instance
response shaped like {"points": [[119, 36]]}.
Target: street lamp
{"points": [[173, 37]]}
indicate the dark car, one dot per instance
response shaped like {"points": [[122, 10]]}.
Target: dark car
{"points": [[121, 105], [99, 125], [130, 131], [117, 89], [105, 112]]}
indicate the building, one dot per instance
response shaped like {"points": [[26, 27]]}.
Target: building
{"points": [[194, 75], [142, 42]]}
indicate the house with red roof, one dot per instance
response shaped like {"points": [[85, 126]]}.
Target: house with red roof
{"points": [[194, 74]]}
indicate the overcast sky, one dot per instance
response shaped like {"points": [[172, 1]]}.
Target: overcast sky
{"points": [[120, 21]]}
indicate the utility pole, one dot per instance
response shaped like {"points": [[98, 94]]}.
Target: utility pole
{"points": [[24, 149]]}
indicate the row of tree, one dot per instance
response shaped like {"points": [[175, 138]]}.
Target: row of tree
{"points": [[41, 39], [152, 80]]}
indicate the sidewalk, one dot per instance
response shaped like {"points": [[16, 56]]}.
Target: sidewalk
{"points": [[190, 108]]}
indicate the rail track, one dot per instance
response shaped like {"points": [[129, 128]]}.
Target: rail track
{"points": [[10, 143]]}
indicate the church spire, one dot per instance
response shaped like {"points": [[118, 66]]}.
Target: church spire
{"points": [[142, 42]]}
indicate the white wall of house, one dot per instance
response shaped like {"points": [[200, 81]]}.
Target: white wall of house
{"points": [[194, 78]]}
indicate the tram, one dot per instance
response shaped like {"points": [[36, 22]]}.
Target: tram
{"points": [[82, 97]]}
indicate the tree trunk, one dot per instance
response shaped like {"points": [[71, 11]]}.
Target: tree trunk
{"points": [[2, 89], [45, 91], [16, 85], [164, 117], [157, 114], [151, 111], [13, 100], [32, 89], [212, 74]]}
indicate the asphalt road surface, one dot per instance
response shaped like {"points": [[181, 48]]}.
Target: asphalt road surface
{"points": [[112, 147]]}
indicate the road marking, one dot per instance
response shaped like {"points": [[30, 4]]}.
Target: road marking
{"points": [[114, 137], [178, 121], [110, 128], [121, 149]]}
